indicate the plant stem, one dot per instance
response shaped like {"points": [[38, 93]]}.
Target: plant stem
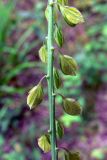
{"points": [[51, 81]]}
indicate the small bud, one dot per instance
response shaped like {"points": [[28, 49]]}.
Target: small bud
{"points": [[71, 15], [35, 96], [57, 79], [44, 143], [59, 129], [43, 54], [68, 65], [71, 107], [58, 36], [63, 2]]}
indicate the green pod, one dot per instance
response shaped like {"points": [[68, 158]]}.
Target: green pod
{"points": [[43, 54], [74, 156], [58, 36], [35, 96], [71, 15], [44, 143], [71, 106], [68, 65], [71, 155], [47, 13], [59, 130], [66, 156], [57, 79]]}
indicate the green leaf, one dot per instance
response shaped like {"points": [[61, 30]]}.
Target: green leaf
{"points": [[44, 143], [35, 96], [71, 106], [58, 36], [43, 54], [68, 65], [71, 15], [57, 79], [63, 2], [59, 129]]}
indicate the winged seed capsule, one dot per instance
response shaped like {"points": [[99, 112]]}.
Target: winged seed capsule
{"points": [[47, 13], [71, 106], [57, 79], [68, 65], [71, 15], [74, 156], [43, 54], [59, 129], [35, 96], [58, 36], [44, 143], [71, 155], [63, 2]]}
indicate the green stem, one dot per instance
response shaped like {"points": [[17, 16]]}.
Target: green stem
{"points": [[51, 81]]}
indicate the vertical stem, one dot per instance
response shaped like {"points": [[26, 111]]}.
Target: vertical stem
{"points": [[51, 81]]}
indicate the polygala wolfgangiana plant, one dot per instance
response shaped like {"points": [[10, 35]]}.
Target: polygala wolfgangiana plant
{"points": [[72, 16]]}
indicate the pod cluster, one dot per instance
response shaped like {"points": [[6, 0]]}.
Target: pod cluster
{"points": [[68, 66]]}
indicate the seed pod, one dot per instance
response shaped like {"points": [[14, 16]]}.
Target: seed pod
{"points": [[54, 13], [71, 155], [68, 65], [35, 96], [43, 54], [57, 79], [71, 106], [71, 15], [44, 143], [74, 156], [59, 129], [66, 155], [63, 2], [58, 36], [47, 13]]}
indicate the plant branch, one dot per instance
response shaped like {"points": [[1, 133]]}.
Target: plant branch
{"points": [[51, 81]]}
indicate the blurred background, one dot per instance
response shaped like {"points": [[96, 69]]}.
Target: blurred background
{"points": [[22, 31]]}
